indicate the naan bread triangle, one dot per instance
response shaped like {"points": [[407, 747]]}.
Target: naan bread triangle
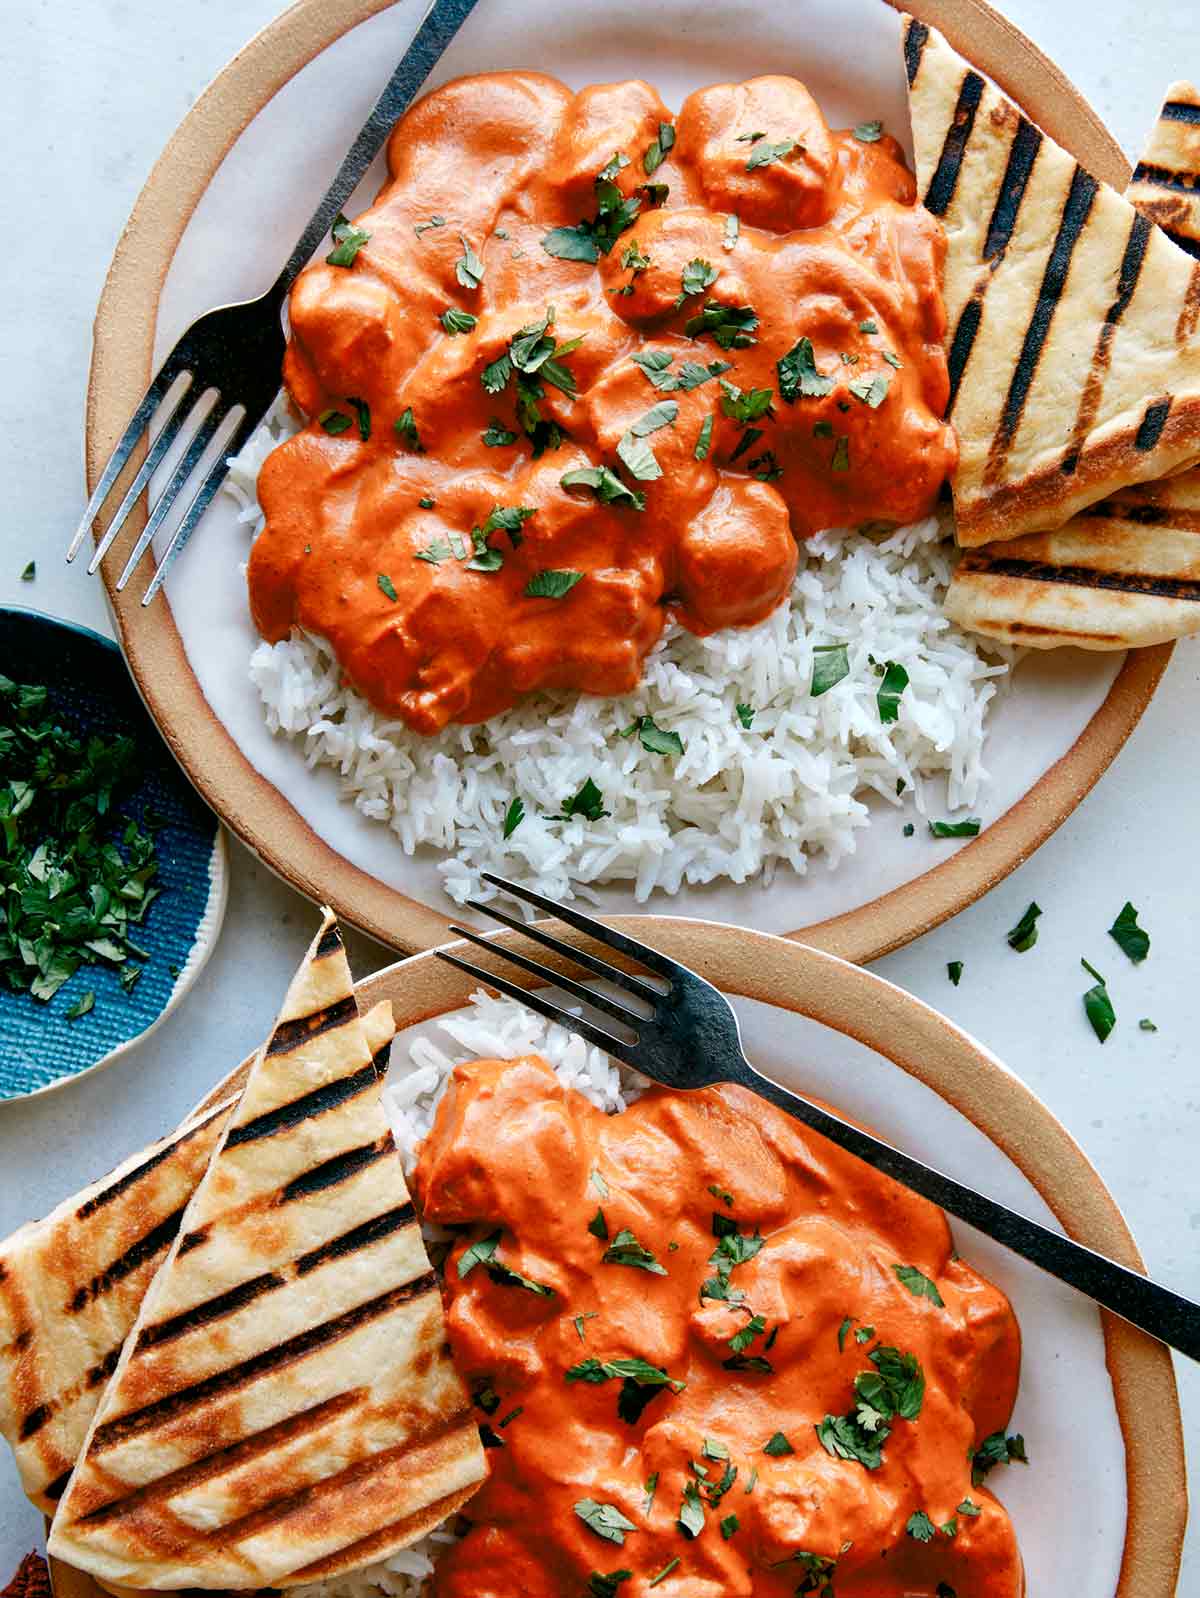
{"points": [[285, 1406], [1126, 572], [1073, 345]]}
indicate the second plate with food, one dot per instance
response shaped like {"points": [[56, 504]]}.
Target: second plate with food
{"points": [[1098, 1503], [333, 796]]}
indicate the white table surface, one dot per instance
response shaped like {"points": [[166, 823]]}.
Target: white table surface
{"points": [[91, 91]]}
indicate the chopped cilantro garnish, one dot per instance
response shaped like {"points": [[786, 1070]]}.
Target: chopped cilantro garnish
{"points": [[650, 1490], [455, 321], [626, 1250], [29, 572], [798, 375], [887, 696], [956, 829], [497, 435], [745, 407], [871, 390], [954, 970], [704, 439], [406, 431], [478, 1253], [83, 1004], [731, 326], [968, 1508], [386, 586], [604, 483], [753, 1328], [1133, 940], [728, 1526], [423, 227], [588, 803], [468, 269], [657, 740], [1147, 1025], [745, 714], [867, 326], [606, 1520], [657, 152], [764, 154], [918, 1284], [598, 1226], [362, 412], [426, 503], [601, 1586], [334, 421], [920, 1526], [892, 360], [841, 456], [777, 1446], [347, 241], [831, 662], [588, 1315], [732, 229], [666, 1570], [1097, 1005], [691, 1511], [514, 816], [696, 276], [1025, 934], [868, 132], [551, 584], [996, 1449], [895, 1388], [589, 239]]}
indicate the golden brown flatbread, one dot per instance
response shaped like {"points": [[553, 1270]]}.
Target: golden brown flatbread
{"points": [[1073, 346], [285, 1406], [1126, 572]]}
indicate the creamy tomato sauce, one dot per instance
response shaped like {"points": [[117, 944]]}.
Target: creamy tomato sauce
{"points": [[790, 265], [772, 1283]]}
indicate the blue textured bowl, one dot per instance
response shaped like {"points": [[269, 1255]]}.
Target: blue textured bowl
{"points": [[91, 691]]}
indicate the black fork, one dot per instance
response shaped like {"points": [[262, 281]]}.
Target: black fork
{"points": [[683, 1033]]}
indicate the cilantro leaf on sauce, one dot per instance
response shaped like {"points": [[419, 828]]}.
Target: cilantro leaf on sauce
{"points": [[386, 586], [732, 229], [871, 390], [691, 1512], [704, 439], [1125, 932], [334, 421], [671, 1564], [604, 483], [764, 154], [657, 152], [743, 406], [798, 374], [348, 240], [626, 1250], [919, 1285], [551, 584], [731, 326], [405, 428], [777, 1446], [468, 269], [478, 1253], [497, 435], [455, 321], [362, 412], [606, 1520], [868, 132], [920, 1526], [601, 1586]]}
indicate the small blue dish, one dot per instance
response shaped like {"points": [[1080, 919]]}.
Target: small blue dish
{"points": [[90, 690]]}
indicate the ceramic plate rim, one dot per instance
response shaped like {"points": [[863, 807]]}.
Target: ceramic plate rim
{"points": [[248, 802], [214, 910], [926, 1045]]}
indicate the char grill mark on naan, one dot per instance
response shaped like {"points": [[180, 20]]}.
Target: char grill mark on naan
{"points": [[286, 1397], [1073, 351], [1124, 572]]}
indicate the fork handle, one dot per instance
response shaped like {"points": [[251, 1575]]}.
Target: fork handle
{"points": [[440, 23], [1172, 1319]]}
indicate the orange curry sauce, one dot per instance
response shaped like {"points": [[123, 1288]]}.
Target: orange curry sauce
{"points": [[719, 1193], [743, 232]]}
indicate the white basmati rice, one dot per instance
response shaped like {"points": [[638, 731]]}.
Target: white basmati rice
{"points": [[491, 1028], [739, 801]]}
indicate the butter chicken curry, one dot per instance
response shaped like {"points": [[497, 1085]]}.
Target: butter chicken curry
{"points": [[714, 1355], [585, 365]]}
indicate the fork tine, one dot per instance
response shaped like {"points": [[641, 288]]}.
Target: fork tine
{"points": [[203, 498], [599, 1001], [594, 929], [167, 435], [116, 462], [199, 442], [534, 1001], [598, 968]]}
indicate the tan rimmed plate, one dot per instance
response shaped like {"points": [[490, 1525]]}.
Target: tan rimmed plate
{"points": [[224, 204], [1102, 1507]]}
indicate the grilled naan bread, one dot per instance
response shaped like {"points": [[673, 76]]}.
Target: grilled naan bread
{"points": [[1073, 348], [71, 1285], [1165, 186], [285, 1406], [1126, 572]]}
